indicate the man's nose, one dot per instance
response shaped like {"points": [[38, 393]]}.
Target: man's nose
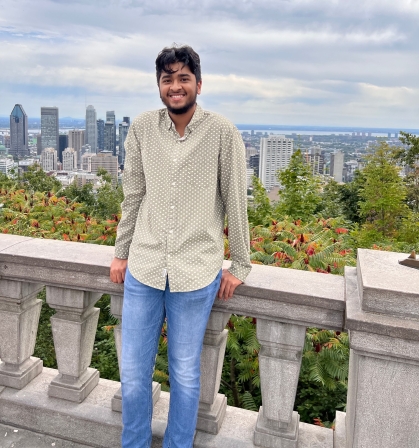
{"points": [[175, 84]]}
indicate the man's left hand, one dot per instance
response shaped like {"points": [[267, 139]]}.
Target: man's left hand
{"points": [[228, 284]]}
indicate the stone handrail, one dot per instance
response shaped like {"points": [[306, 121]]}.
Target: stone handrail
{"points": [[382, 321]]}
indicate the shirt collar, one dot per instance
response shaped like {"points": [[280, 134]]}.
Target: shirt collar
{"points": [[195, 120]]}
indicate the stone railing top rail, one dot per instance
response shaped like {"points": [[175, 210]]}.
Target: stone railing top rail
{"points": [[270, 292]]}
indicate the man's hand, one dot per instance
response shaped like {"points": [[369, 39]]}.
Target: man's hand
{"points": [[228, 284], [118, 268]]}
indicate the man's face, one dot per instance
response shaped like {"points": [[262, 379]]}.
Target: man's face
{"points": [[179, 89]]}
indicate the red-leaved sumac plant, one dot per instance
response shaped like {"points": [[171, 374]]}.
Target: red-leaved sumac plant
{"points": [[45, 215], [321, 245]]}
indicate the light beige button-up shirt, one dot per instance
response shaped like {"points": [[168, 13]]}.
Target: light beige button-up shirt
{"points": [[177, 193]]}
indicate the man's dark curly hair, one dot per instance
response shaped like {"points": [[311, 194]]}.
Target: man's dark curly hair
{"points": [[183, 54]]}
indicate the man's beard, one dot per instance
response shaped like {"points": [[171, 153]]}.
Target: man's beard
{"points": [[180, 110]]}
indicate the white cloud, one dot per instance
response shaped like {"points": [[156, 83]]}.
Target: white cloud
{"points": [[273, 60]]}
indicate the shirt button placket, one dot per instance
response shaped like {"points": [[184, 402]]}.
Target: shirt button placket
{"points": [[172, 201]]}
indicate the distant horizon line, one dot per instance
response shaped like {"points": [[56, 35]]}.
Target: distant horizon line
{"points": [[277, 127]]}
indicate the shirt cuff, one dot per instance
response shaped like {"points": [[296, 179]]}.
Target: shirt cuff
{"points": [[240, 271]]}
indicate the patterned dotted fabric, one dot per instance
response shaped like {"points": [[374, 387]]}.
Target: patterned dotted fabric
{"points": [[177, 193]]}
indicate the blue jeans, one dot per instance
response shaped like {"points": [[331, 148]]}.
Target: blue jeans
{"points": [[143, 315]]}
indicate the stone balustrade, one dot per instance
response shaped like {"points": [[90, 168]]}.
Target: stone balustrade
{"points": [[377, 302]]}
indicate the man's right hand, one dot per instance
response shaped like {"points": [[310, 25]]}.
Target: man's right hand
{"points": [[118, 269]]}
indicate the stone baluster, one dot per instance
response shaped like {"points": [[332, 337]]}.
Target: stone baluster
{"points": [[73, 329], [116, 310], [212, 405], [279, 363], [19, 317]]}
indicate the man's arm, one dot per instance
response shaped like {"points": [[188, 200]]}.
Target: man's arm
{"points": [[134, 190], [233, 186]]}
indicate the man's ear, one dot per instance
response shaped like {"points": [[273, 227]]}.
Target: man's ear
{"points": [[199, 87]]}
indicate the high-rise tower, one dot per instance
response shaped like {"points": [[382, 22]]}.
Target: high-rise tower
{"points": [[275, 154], [91, 129], [18, 132], [110, 118], [123, 132], [100, 135], [49, 127]]}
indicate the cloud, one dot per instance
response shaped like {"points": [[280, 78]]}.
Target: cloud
{"points": [[298, 60]]}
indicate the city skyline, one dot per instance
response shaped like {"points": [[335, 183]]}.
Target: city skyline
{"points": [[318, 63]]}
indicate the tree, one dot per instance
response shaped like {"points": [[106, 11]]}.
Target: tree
{"points": [[108, 198], [36, 179], [83, 195], [260, 211], [383, 194], [300, 193], [409, 155], [331, 205], [350, 197]]}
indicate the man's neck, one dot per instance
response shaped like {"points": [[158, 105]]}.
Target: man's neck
{"points": [[182, 120]]}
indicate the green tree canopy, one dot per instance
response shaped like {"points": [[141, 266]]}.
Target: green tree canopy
{"points": [[300, 193], [383, 193]]}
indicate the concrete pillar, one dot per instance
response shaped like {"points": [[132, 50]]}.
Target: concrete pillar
{"points": [[19, 317], [212, 405], [279, 364], [116, 309], [382, 317], [73, 329]]}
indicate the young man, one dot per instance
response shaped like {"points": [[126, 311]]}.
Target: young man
{"points": [[184, 172]]}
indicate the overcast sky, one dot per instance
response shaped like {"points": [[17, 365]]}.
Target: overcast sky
{"points": [[296, 62]]}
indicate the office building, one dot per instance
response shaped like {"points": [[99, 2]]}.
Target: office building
{"points": [[91, 128], [49, 159], [38, 144], [18, 132], [110, 144], [109, 138], [315, 158], [336, 165], [275, 154], [254, 164], [62, 145], [76, 141], [6, 164], [100, 135], [107, 161], [86, 162], [69, 159], [123, 132], [49, 127]]}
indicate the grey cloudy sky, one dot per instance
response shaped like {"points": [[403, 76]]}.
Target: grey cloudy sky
{"points": [[308, 62]]}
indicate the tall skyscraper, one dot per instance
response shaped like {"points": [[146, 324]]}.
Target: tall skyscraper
{"points": [[109, 137], [63, 144], [91, 128], [76, 141], [18, 132], [110, 118], [275, 154], [49, 127], [100, 135], [123, 132]]}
